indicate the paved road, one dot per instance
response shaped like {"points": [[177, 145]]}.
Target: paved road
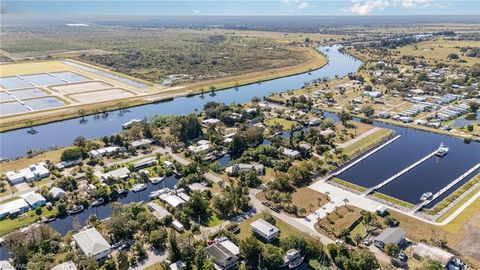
{"points": [[358, 138]]}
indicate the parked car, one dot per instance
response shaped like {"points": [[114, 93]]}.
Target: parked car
{"points": [[275, 209], [338, 242], [402, 256], [367, 242], [266, 203]]}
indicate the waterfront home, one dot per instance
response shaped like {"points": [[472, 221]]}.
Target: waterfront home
{"points": [[144, 163], [202, 146], [141, 143], [158, 211], [107, 151], [172, 200], [225, 254], [66, 164], [33, 172], [265, 230], [243, 168], [178, 265], [446, 259], [69, 265], [210, 122], [291, 153], [167, 164], [183, 196], [92, 244], [390, 235], [120, 174], [34, 199], [197, 187], [13, 208], [57, 193]]}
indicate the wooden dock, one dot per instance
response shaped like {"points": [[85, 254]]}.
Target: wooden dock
{"points": [[395, 176]]}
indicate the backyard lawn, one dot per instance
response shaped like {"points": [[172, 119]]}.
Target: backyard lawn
{"points": [[8, 225]]}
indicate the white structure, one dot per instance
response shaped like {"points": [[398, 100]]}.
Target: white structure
{"points": [[178, 265], [33, 172], [121, 173], [264, 229], [177, 226], [13, 208], [92, 243], [243, 168], [34, 199], [372, 94], [210, 122], [107, 151], [291, 153], [141, 143], [202, 146], [172, 200], [5, 265], [158, 211], [65, 266], [57, 193]]}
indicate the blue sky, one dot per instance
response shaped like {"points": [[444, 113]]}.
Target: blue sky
{"points": [[246, 7]]}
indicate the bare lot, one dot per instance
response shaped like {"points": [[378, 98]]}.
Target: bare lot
{"points": [[101, 95], [80, 87]]}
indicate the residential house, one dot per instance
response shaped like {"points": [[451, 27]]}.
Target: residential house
{"points": [[291, 153], [172, 200], [210, 122], [13, 208], [57, 193], [243, 168], [92, 243], [69, 265], [202, 146], [224, 253], [144, 163], [141, 143], [178, 265], [158, 211], [121, 174], [265, 230], [391, 235], [34, 199], [33, 172], [372, 94]]}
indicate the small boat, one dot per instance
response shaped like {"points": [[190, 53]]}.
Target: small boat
{"points": [[98, 202], [50, 220], [292, 259], [159, 192], [156, 180], [76, 209], [426, 196], [122, 191], [130, 123], [442, 150], [139, 187]]}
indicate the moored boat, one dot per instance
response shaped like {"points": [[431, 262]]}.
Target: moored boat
{"points": [[292, 259], [76, 209], [139, 187], [426, 196], [122, 191], [442, 150], [156, 180], [98, 202], [130, 123]]}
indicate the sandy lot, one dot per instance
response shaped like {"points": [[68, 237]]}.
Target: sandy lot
{"points": [[80, 87], [101, 95]]}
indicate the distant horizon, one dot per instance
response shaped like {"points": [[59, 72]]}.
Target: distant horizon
{"points": [[245, 7]]}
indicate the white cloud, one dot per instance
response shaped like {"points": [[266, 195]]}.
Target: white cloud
{"points": [[415, 3], [303, 5], [196, 11], [288, 2], [366, 7]]}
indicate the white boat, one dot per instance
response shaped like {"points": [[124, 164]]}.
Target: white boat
{"points": [[122, 191], [426, 196], [76, 209], [442, 150], [139, 187], [98, 202], [130, 123], [156, 180], [292, 259]]}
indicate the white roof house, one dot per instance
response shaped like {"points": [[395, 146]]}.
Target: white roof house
{"points": [[264, 229], [33, 172], [57, 192], [65, 266], [121, 173], [178, 265], [158, 211], [34, 199], [92, 243], [210, 121], [172, 200], [141, 143], [290, 153], [177, 226], [13, 207]]}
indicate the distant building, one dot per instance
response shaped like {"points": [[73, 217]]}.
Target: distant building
{"points": [[210, 122], [390, 235], [172, 200], [177, 226], [141, 143], [144, 163], [224, 253], [34, 199], [243, 168], [372, 94], [13, 208], [202, 146], [121, 174], [65, 266], [92, 243], [291, 153], [265, 230], [107, 151], [158, 211]]}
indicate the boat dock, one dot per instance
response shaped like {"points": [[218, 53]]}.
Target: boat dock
{"points": [[445, 189], [395, 176], [358, 160]]}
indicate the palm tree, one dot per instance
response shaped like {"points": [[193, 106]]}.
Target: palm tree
{"points": [[319, 200], [82, 113], [212, 90], [30, 124]]}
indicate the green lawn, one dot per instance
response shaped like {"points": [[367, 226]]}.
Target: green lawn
{"points": [[393, 200], [367, 142], [458, 205], [286, 124], [214, 220], [285, 229], [8, 225], [348, 184], [359, 229]]}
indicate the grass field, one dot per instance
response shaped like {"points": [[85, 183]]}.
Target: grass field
{"points": [[348, 184], [393, 200], [367, 142], [339, 220], [285, 229], [9, 225], [461, 218], [438, 50], [286, 124]]}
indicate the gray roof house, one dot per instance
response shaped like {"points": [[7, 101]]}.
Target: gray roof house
{"points": [[65, 266], [92, 243], [390, 235], [222, 255]]}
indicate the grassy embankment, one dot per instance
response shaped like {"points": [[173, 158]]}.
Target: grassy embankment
{"points": [[9, 225], [368, 142]]}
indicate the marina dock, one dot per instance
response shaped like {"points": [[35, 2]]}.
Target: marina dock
{"points": [[445, 189], [395, 176]]}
